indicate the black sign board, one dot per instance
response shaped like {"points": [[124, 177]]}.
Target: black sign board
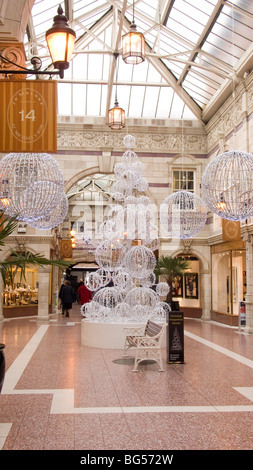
{"points": [[175, 337]]}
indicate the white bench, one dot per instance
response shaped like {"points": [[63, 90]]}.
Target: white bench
{"points": [[147, 341]]}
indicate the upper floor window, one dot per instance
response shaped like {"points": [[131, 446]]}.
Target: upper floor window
{"points": [[183, 180]]}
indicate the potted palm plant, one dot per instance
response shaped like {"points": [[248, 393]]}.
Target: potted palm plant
{"points": [[18, 260], [168, 267]]}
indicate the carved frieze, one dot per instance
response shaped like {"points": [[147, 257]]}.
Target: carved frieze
{"points": [[145, 141]]}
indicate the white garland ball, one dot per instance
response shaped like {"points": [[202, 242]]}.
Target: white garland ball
{"points": [[110, 254], [108, 297], [129, 141], [31, 185], [92, 281], [227, 185], [183, 215], [141, 296], [140, 261], [162, 289]]}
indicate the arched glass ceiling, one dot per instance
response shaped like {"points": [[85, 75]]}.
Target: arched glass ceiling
{"points": [[194, 49]]}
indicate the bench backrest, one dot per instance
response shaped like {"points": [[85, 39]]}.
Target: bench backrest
{"points": [[152, 328]]}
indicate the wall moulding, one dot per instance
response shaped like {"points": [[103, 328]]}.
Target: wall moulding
{"points": [[146, 141]]}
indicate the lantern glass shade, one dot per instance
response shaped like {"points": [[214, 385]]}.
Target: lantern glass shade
{"points": [[60, 41], [133, 46], [116, 117]]}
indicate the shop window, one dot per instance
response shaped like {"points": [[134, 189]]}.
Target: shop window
{"points": [[228, 280], [186, 287], [19, 291]]}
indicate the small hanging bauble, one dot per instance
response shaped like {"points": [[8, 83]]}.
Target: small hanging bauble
{"points": [[129, 141]]}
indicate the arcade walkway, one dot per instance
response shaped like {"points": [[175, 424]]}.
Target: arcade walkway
{"points": [[59, 394]]}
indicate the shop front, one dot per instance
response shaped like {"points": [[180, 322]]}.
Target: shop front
{"points": [[229, 281]]}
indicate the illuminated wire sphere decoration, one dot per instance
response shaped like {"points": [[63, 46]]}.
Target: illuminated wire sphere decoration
{"points": [[104, 276], [227, 185], [53, 219], [129, 141], [183, 215], [110, 254], [92, 281], [162, 289], [140, 261], [122, 279], [108, 297], [141, 296], [31, 183]]}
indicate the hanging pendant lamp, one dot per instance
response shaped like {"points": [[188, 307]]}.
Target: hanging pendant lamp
{"points": [[133, 45], [116, 115]]}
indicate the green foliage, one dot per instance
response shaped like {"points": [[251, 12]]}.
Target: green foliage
{"points": [[21, 260], [168, 267]]}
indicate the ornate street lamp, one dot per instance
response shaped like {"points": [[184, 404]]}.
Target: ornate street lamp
{"points": [[60, 41]]}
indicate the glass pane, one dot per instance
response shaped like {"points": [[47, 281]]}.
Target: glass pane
{"points": [[64, 105], [79, 98], [150, 102], [136, 101], [93, 100]]}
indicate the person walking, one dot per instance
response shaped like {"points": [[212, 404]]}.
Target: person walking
{"points": [[84, 294], [67, 297], [60, 293]]}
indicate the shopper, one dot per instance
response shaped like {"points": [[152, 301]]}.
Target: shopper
{"points": [[60, 294], [67, 297], [84, 294]]}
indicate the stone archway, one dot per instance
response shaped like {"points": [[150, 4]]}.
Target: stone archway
{"points": [[204, 281]]}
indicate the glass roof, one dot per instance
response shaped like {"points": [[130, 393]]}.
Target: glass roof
{"points": [[193, 48]]}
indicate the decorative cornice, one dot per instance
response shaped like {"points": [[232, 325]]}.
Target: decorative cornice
{"points": [[165, 142]]}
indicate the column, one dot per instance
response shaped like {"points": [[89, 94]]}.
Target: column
{"points": [[249, 272], [206, 295], [55, 289], [43, 294]]}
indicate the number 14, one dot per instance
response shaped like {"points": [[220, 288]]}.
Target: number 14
{"points": [[30, 115]]}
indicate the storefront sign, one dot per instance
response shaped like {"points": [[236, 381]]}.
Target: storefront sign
{"points": [[66, 251], [28, 116], [175, 337], [231, 230]]}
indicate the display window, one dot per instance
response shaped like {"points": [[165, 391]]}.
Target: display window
{"points": [[19, 291], [229, 280]]}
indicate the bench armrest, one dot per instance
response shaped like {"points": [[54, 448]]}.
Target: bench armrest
{"points": [[134, 330], [147, 341]]}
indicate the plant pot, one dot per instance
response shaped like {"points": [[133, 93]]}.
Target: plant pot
{"points": [[2, 365]]}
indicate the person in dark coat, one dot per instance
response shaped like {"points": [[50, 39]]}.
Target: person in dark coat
{"points": [[67, 298], [60, 293]]}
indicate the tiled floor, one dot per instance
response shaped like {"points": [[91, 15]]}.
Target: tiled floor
{"points": [[59, 394]]}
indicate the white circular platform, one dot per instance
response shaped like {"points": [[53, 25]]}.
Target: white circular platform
{"points": [[106, 335]]}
